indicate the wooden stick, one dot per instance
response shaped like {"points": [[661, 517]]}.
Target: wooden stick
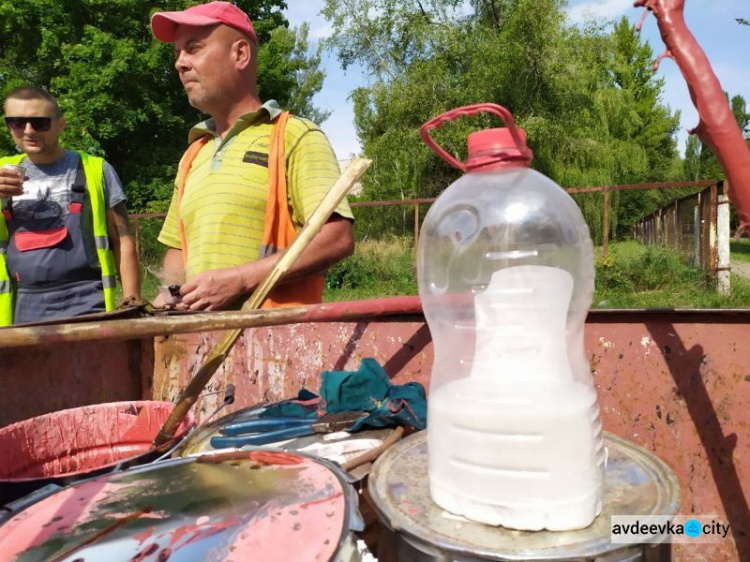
{"points": [[370, 456], [217, 355]]}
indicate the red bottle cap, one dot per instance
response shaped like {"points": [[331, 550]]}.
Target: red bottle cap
{"points": [[488, 149], [495, 148]]}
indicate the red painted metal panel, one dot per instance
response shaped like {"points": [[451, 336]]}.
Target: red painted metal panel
{"points": [[269, 364], [676, 383], [49, 377], [679, 386]]}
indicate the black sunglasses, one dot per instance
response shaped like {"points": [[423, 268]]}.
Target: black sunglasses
{"points": [[39, 124]]}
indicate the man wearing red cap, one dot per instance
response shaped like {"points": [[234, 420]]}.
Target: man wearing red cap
{"points": [[251, 176]]}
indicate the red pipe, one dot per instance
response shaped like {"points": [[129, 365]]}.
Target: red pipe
{"points": [[717, 126]]}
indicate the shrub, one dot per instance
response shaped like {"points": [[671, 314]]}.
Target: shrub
{"points": [[610, 275], [378, 268]]}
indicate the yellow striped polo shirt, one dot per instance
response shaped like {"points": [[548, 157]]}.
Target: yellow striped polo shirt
{"points": [[224, 204]]}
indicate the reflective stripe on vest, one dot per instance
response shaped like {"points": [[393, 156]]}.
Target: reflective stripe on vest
{"points": [[93, 168], [6, 301], [102, 242]]}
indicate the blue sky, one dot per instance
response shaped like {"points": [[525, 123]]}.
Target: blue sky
{"points": [[725, 42]]}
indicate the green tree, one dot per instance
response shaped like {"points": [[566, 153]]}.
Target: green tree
{"points": [[739, 110], [654, 126], [692, 164], [586, 96], [117, 86]]}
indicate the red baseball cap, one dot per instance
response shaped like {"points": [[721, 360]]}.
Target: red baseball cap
{"points": [[164, 24]]}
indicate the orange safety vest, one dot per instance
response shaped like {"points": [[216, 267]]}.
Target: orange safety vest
{"points": [[279, 231]]}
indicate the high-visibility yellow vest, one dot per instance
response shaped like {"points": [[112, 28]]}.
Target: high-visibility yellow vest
{"points": [[93, 169]]}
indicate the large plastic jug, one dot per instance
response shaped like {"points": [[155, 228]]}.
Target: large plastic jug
{"points": [[506, 276]]}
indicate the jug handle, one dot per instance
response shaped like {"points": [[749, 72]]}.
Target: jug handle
{"points": [[440, 120]]}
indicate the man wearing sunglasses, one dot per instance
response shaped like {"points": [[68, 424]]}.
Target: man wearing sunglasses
{"points": [[64, 230]]}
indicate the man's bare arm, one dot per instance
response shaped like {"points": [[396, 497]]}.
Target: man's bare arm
{"points": [[217, 288], [123, 246]]}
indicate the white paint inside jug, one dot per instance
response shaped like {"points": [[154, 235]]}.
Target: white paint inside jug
{"points": [[518, 442]]}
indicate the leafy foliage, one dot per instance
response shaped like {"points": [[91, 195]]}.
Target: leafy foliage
{"points": [[701, 163], [586, 96], [117, 86], [378, 268]]}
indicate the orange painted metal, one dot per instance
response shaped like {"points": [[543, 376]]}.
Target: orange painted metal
{"points": [[51, 376], [674, 382]]}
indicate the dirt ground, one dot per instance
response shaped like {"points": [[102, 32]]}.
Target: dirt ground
{"points": [[741, 268]]}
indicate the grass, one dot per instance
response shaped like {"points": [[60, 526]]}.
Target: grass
{"points": [[682, 296], [739, 250], [632, 276], [636, 276], [378, 268]]}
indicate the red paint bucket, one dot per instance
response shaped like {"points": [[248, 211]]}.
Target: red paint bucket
{"points": [[65, 446]]}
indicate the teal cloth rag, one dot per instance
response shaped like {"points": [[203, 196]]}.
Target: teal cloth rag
{"points": [[369, 389], [303, 405]]}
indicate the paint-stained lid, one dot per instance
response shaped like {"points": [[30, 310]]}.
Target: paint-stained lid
{"points": [[635, 483], [247, 505]]}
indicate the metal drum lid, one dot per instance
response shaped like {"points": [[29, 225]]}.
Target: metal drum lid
{"points": [[635, 483], [249, 505]]}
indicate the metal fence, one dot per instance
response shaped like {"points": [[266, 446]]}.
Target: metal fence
{"points": [[373, 218], [687, 225], [673, 225]]}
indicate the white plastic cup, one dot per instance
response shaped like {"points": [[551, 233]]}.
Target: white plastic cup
{"points": [[17, 168]]}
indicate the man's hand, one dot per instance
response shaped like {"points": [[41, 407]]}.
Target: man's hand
{"points": [[11, 181], [212, 290], [218, 288]]}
